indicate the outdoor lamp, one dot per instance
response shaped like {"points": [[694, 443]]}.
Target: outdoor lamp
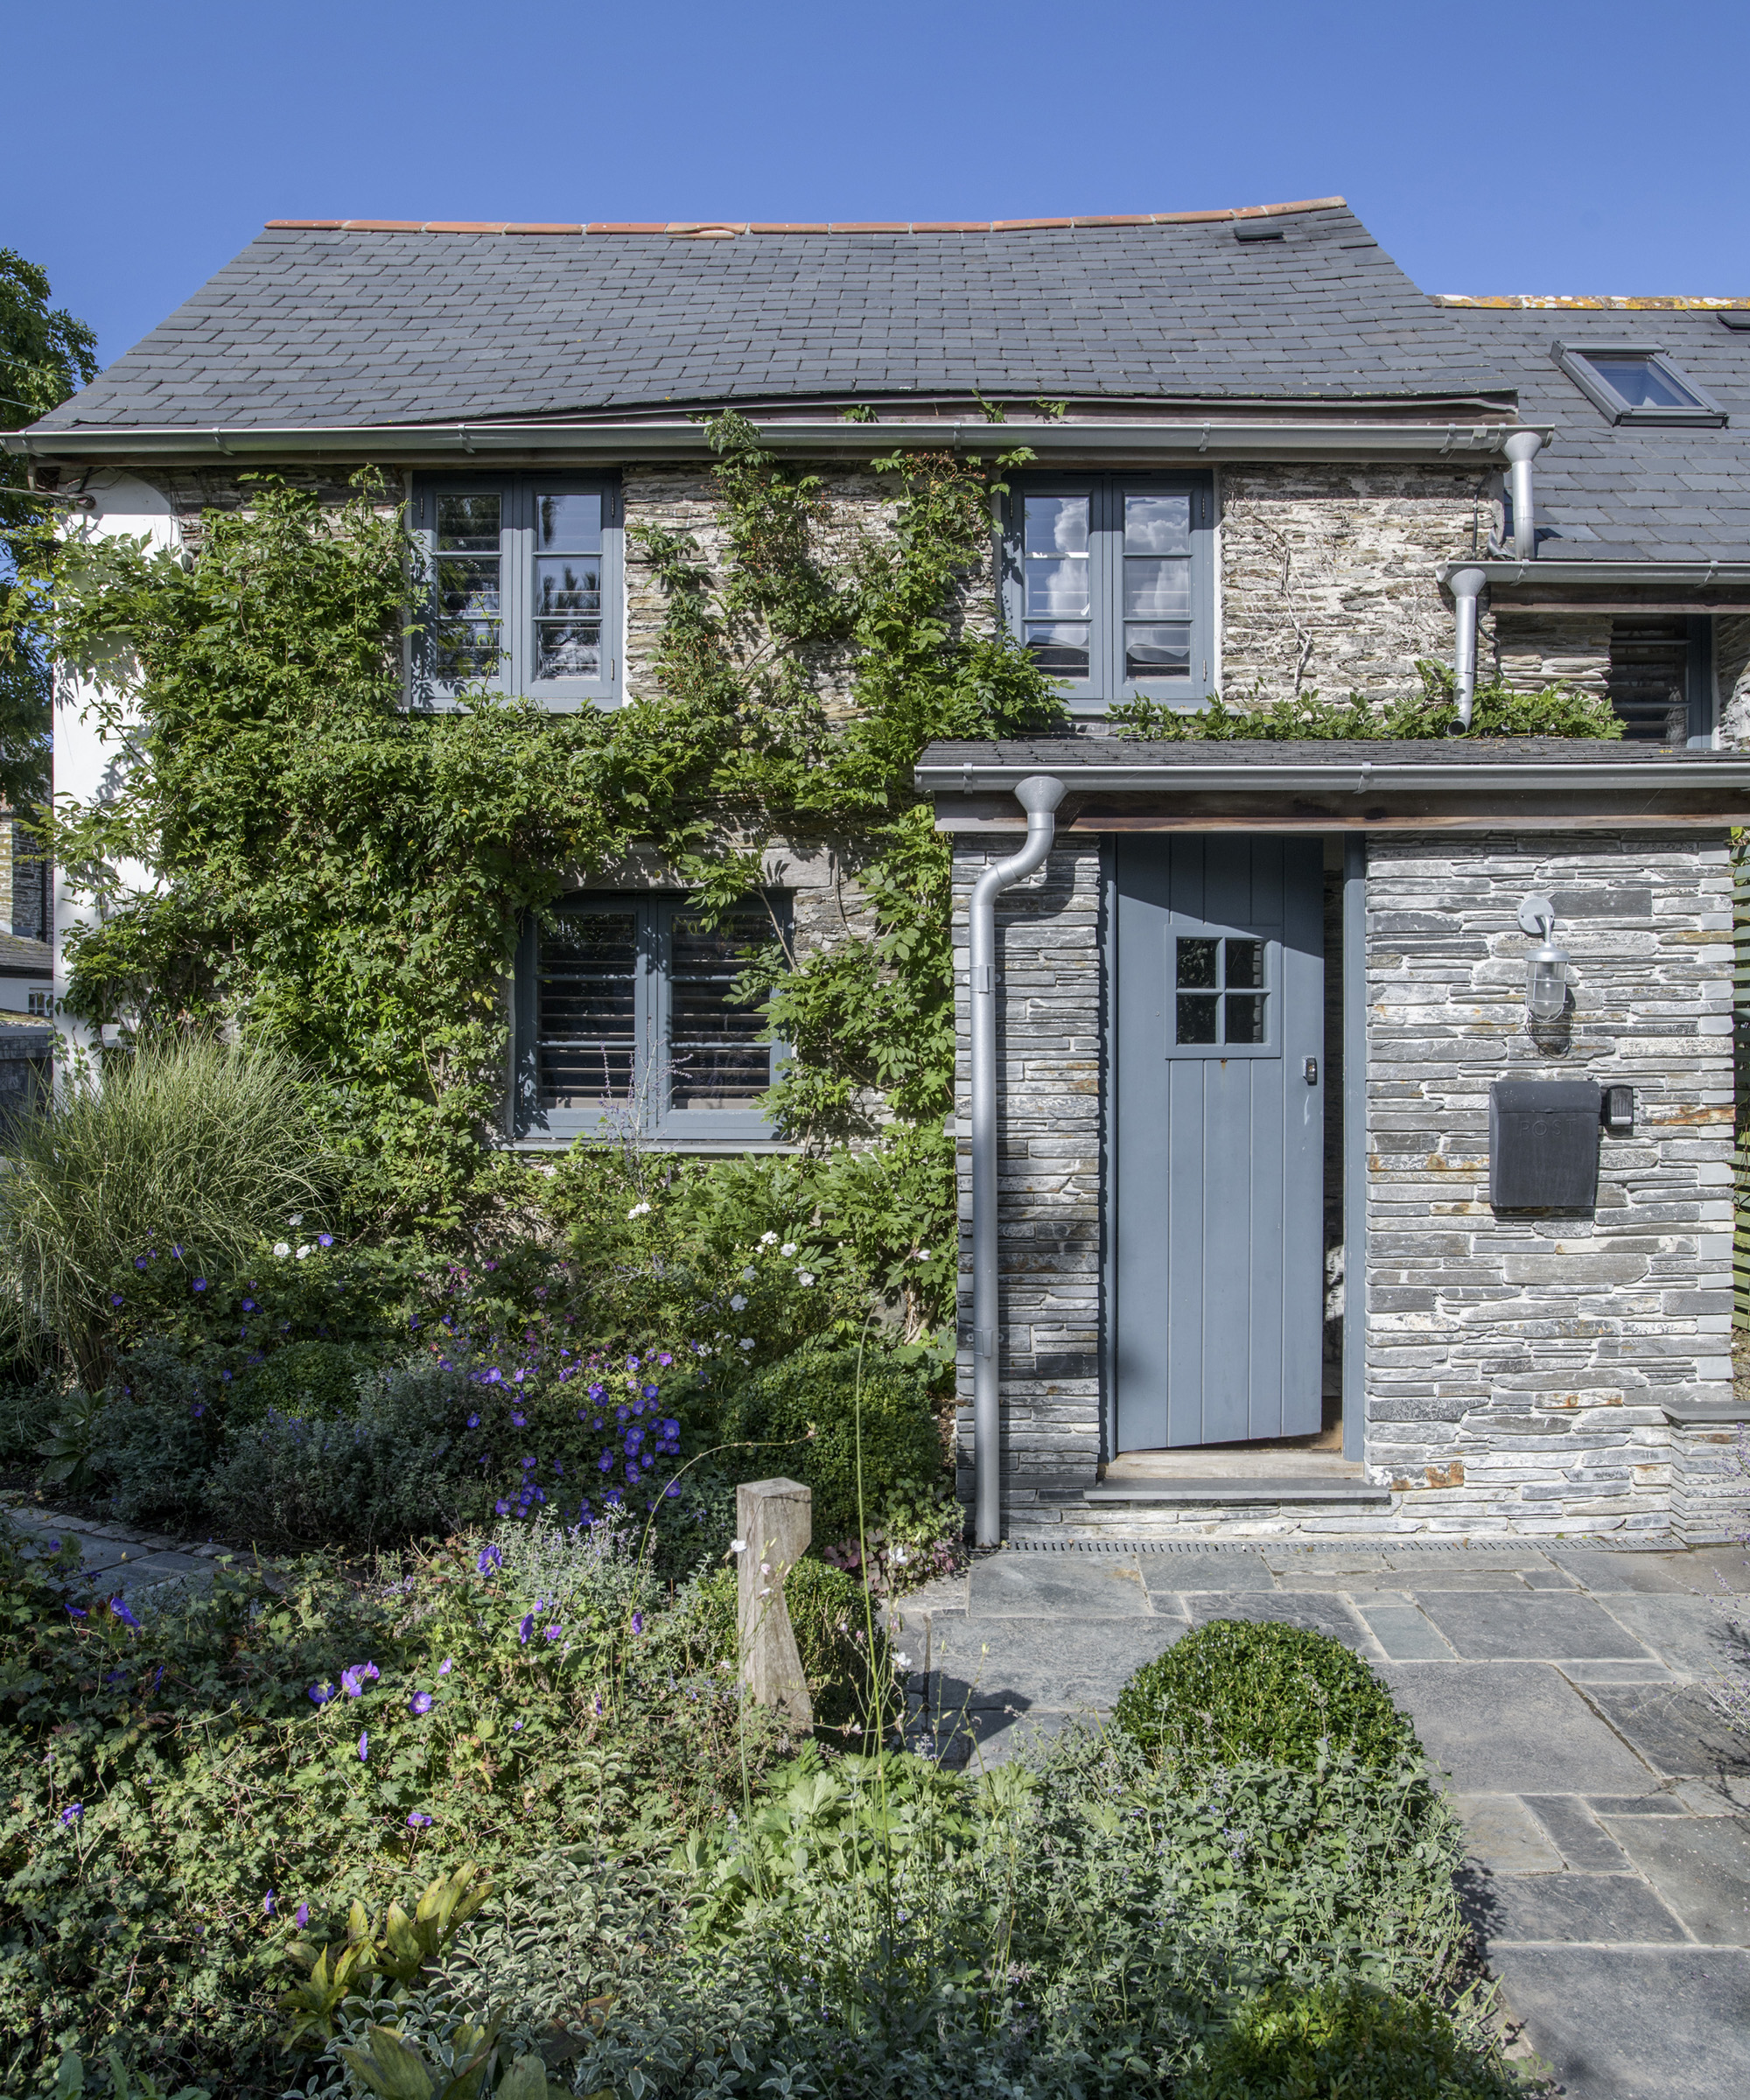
{"points": [[1546, 974]]}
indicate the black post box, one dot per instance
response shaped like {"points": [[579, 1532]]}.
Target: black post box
{"points": [[1542, 1143]]}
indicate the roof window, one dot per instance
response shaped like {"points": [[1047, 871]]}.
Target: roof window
{"points": [[1636, 382]]}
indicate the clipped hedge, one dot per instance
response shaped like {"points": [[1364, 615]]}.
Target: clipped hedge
{"points": [[1239, 1688], [808, 1412]]}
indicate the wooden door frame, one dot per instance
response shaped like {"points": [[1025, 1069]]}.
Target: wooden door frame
{"points": [[1354, 1098]]}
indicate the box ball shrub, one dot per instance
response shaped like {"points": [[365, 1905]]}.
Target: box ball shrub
{"points": [[805, 1413], [1239, 1688], [1342, 2040]]}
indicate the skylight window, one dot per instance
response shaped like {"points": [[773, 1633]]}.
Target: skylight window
{"points": [[1636, 382]]}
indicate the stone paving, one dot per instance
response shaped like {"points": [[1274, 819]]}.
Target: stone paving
{"points": [[1563, 1691], [129, 1559]]}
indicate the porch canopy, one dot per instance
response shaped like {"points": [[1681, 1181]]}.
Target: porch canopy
{"points": [[1116, 784]]}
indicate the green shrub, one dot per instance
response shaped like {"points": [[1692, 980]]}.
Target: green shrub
{"points": [[1344, 2040], [305, 1378], [187, 1147], [809, 1411], [158, 1439], [1239, 1688]]}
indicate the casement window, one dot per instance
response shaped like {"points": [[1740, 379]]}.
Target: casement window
{"points": [[1109, 582], [1636, 382], [624, 1019], [524, 571]]}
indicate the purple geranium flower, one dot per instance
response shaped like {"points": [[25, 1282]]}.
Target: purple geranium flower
{"points": [[417, 1822], [267, 1904], [115, 1297], [248, 1305], [447, 1666], [321, 1693], [473, 1421], [553, 1632], [77, 1611], [119, 1607], [324, 1239], [419, 1704], [519, 1422], [491, 1557], [200, 1283], [364, 1746], [301, 1915], [71, 1812], [522, 1631], [502, 1507], [139, 1261], [638, 1622]]}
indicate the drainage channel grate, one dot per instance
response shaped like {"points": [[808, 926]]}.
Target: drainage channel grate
{"points": [[1206, 1547]]}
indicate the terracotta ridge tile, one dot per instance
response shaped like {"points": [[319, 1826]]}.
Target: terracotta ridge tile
{"points": [[626, 225], [950, 226], [534, 226], [321, 226], [463, 226], [382, 226], [871, 226], [800, 226]]}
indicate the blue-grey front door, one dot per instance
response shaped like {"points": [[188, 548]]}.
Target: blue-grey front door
{"points": [[1218, 1139]]}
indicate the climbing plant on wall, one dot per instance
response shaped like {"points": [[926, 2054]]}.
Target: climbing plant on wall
{"points": [[331, 872]]}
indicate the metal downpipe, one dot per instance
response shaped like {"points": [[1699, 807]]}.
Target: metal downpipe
{"points": [[1521, 449], [1038, 796], [1466, 586]]}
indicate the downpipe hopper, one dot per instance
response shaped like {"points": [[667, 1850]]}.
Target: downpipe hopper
{"points": [[1039, 794], [1466, 586]]}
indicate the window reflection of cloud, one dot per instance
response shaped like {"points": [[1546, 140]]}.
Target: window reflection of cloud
{"points": [[1057, 524], [1058, 589], [1157, 590], [1157, 524]]}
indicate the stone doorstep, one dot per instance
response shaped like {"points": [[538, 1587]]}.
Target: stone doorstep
{"points": [[1258, 1490]]}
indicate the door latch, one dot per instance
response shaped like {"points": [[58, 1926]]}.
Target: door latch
{"points": [[1311, 1071]]}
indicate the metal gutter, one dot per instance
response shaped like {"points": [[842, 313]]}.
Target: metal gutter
{"points": [[1146, 442], [1711, 770], [1550, 570]]}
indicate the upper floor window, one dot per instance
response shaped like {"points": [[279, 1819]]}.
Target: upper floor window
{"points": [[1636, 382], [525, 574], [624, 1015], [1109, 582]]}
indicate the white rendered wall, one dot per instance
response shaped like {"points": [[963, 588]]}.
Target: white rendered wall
{"points": [[87, 768]]}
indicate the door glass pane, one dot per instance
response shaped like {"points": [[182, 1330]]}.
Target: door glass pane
{"points": [[1197, 963], [567, 649], [1245, 963], [1157, 589], [716, 1060], [1058, 590], [468, 524], [1158, 524], [1196, 1017], [1157, 652], [1245, 1016], [569, 524], [587, 1011], [1060, 650], [1057, 524]]}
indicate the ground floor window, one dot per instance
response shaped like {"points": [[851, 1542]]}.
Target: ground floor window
{"points": [[625, 1014]]}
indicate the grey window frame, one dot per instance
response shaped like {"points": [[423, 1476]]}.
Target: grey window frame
{"points": [[1105, 684], [1576, 359], [518, 494], [654, 913]]}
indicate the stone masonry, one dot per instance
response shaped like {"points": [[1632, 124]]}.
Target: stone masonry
{"points": [[1516, 1364], [1049, 1079]]}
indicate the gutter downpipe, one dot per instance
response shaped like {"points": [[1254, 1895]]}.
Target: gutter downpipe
{"points": [[1039, 794], [1521, 448], [1466, 585]]}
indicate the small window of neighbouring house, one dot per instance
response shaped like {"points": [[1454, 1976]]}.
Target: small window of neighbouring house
{"points": [[626, 1017], [1636, 382], [40, 1001], [1108, 584], [525, 578]]}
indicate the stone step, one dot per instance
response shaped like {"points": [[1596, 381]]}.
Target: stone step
{"points": [[1241, 1487]]}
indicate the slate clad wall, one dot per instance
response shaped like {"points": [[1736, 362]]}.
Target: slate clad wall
{"points": [[1048, 1073], [1516, 1365]]}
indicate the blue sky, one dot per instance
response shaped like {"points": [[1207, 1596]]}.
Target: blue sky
{"points": [[1555, 147]]}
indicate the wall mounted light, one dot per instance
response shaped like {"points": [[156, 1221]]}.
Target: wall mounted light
{"points": [[1546, 974]]}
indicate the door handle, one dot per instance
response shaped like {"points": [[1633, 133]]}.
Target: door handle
{"points": [[1311, 1068]]}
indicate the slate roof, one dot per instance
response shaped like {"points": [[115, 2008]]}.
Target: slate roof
{"points": [[346, 324], [1626, 492], [23, 957], [1076, 750]]}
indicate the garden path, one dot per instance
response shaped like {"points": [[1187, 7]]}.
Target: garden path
{"points": [[131, 1559], [1561, 1687]]}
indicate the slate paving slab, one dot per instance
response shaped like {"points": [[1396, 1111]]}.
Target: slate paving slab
{"points": [[1603, 1572], [1402, 1631], [1238, 1569], [1673, 1728], [1692, 1634], [1065, 1664], [1590, 1908], [1504, 1835], [1643, 2023], [1514, 1728], [1700, 1865], [1494, 1626], [1109, 1587], [1324, 1613], [1583, 1843]]}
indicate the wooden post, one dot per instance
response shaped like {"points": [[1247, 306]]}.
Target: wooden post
{"points": [[774, 1520]]}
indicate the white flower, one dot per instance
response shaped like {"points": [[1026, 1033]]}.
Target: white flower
{"points": [[748, 1275], [765, 1567], [296, 1220], [788, 1249], [923, 1254], [900, 1557], [769, 1239], [804, 1277], [638, 1210], [904, 1661], [282, 1247], [302, 1252], [548, 1170], [746, 1342], [738, 1546], [738, 1304]]}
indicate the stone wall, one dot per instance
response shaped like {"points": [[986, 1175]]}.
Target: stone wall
{"points": [[1536, 649], [1327, 574], [1516, 1364], [1049, 1079]]}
